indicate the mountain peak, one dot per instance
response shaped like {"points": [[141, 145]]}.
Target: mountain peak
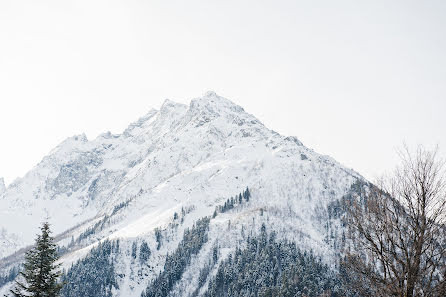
{"points": [[211, 97], [210, 94], [179, 160], [169, 105], [214, 103]]}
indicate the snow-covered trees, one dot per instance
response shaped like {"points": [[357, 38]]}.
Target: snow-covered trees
{"points": [[230, 203], [40, 275], [144, 252], [269, 267], [134, 249], [177, 262], [158, 238], [9, 276], [94, 275]]}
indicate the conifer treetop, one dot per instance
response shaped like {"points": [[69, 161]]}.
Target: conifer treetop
{"points": [[40, 274]]}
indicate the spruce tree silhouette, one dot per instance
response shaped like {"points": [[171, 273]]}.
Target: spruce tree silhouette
{"points": [[39, 277]]}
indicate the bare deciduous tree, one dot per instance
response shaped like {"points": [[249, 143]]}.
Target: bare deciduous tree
{"points": [[397, 227]]}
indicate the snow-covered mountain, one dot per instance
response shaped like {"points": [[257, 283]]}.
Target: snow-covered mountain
{"points": [[166, 171]]}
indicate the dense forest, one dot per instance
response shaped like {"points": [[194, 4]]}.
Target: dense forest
{"points": [[177, 262], [94, 275], [269, 267]]}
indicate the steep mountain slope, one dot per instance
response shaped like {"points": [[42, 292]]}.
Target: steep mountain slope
{"points": [[163, 173]]}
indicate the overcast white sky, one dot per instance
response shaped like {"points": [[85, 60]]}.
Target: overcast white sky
{"points": [[351, 79]]}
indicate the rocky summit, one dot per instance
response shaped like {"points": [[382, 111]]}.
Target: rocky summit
{"points": [[167, 206]]}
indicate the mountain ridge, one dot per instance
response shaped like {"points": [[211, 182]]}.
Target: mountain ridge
{"points": [[184, 159]]}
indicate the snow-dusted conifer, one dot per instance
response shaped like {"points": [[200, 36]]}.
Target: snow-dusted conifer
{"points": [[40, 275]]}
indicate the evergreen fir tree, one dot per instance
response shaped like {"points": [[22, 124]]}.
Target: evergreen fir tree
{"points": [[134, 247], [247, 194], [40, 274], [144, 252]]}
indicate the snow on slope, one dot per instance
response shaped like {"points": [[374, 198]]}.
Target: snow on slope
{"points": [[191, 157], [2, 185]]}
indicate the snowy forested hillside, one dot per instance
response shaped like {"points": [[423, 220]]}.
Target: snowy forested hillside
{"points": [[163, 208]]}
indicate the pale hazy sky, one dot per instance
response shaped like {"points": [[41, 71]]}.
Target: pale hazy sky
{"points": [[351, 79]]}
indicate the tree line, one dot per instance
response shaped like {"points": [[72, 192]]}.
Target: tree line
{"points": [[396, 247]]}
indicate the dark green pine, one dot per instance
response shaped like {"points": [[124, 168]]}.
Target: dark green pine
{"points": [[39, 277]]}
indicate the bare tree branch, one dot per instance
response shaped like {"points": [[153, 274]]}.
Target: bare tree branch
{"points": [[397, 230]]}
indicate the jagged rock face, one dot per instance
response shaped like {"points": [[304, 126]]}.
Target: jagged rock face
{"points": [[181, 156]]}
